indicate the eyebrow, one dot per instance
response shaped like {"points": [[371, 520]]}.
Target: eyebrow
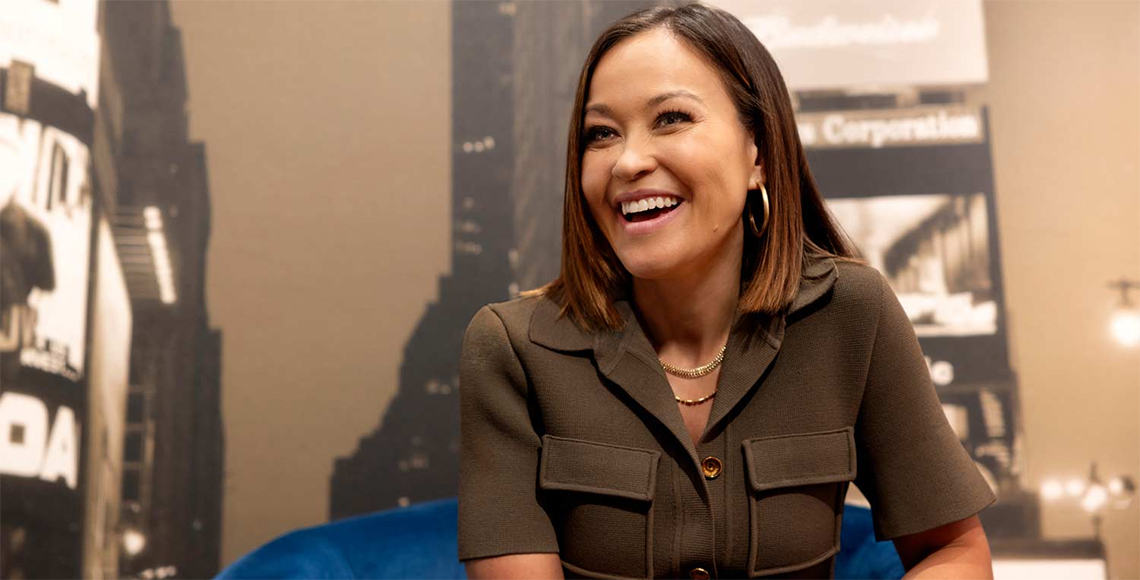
{"points": [[680, 93]]}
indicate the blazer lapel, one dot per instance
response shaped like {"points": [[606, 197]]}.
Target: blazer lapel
{"points": [[627, 359], [755, 341], [752, 346]]}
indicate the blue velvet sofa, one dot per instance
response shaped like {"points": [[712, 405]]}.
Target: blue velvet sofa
{"points": [[419, 541]]}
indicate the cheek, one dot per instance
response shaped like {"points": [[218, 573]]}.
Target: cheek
{"points": [[594, 181], [717, 183]]}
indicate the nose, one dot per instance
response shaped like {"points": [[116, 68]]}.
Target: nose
{"points": [[636, 160]]}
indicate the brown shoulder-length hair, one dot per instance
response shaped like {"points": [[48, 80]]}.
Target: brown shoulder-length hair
{"points": [[592, 277]]}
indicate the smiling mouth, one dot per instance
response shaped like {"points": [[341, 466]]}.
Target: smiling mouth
{"points": [[648, 208]]}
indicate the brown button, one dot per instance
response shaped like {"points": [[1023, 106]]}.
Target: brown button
{"points": [[699, 573], [711, 467]]}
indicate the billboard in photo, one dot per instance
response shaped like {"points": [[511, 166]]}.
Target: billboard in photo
{"points": [[45, 210], [829, 44], [935, 251], [913, 188], [49, 64], [58, 37]]}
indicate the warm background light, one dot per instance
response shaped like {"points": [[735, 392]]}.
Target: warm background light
{"points": [[1075, 487], [1126, 326], [1051, 490], [133, 542]]}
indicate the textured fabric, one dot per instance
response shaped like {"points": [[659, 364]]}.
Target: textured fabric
{"points": [[804, 459], [569, 464], [834, 391]]}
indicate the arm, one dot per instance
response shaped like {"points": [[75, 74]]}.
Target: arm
{"points": [[912, 467], [955, 550], [504, 530], [516, 566]]}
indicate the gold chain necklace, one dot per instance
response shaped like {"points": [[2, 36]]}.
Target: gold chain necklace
{"points": [[695, 373], [692, 402]]}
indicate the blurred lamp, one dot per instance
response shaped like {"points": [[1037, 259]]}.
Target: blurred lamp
{"points": [[1094, 498], [1126, 326], [1052, 489], [1121, 489], [133, 542], [1125, 323], [1075, 487]]}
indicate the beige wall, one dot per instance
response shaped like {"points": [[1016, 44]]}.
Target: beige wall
{"points": [[1064, 97]]}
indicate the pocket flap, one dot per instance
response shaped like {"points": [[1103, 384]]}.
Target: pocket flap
{"points": [[800, 459], [577, 465]]}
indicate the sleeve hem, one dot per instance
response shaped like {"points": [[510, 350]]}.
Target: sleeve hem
{"points": [[490, 552], [971, 509]]}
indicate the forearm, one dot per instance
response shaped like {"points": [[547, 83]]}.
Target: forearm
{"points": [[522, 566], [966, 560]]}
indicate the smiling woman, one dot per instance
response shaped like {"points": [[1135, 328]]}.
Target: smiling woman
{"points": [[660, 124], [713, 367]]}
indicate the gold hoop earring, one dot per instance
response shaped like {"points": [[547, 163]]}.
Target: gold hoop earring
{"points": [[759, 231]]}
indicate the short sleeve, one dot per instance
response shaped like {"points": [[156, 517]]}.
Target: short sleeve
{"points": [[499, 508], [911, 466]]}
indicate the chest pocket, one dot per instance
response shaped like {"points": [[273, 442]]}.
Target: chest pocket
{"points": [[798, 484], [599, 497]]}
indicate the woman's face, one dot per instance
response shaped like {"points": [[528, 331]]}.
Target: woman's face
{"points": [[661, 130]]}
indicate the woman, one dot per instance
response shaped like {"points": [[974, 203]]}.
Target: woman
{"points": [[712, 369]]}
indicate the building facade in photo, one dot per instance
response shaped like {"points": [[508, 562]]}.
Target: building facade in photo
{"points": [[173, 453]]}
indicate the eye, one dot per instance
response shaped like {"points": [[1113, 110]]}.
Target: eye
{"points": [[668, 118], [598, 133]]}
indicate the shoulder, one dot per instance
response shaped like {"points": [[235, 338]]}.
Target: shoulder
{"points": [[851, 303], [508, 320], [859, 286], [517, 312], [865, 294]]}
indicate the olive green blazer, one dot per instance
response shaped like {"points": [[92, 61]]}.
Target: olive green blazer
{"points": [[572, 441]]}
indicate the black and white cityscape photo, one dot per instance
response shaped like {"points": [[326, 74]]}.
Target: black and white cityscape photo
{"points": [[242, 243]]}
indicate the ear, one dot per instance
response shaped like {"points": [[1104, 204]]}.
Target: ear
{"points": [[756, 177]]}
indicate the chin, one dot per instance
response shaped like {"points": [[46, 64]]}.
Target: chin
{"points": [[649, 265]]}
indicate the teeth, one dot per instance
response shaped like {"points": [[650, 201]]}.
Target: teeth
{"points": [[648, 203]]}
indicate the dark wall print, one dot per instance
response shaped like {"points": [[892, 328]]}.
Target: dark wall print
{"points": [[112, 452], [110, 429]]}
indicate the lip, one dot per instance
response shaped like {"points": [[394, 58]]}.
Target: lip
{"points": [[649, 226]]}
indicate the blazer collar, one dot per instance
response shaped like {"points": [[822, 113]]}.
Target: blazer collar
{"points": [[627, 358]]}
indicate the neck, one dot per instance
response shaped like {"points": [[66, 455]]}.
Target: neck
{"points": [[688, 317]]}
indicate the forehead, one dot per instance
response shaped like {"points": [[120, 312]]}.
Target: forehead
{"points": [[650, 63]]}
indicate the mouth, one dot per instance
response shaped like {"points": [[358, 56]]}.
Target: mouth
{"points": [[649, 208]]}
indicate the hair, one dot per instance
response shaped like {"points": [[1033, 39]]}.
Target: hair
{"points": [[592, 277]]}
